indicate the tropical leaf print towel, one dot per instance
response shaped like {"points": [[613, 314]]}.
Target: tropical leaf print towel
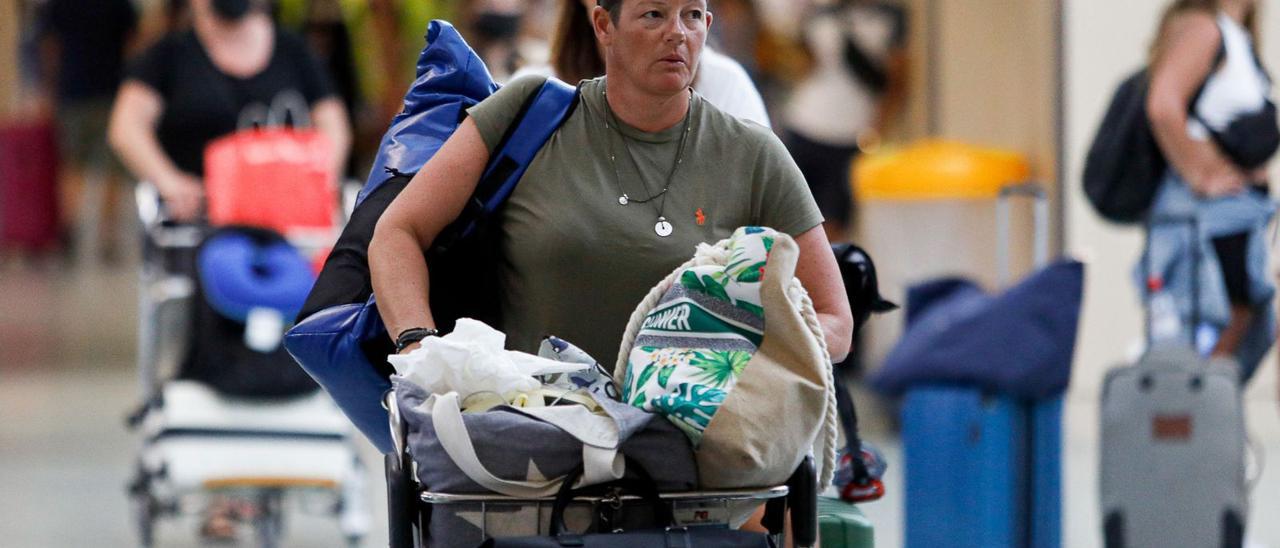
{"points": [[694, 345]]}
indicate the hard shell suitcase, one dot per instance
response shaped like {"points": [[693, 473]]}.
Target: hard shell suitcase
{"points": [[1172, 470], [28, 187], [983, 469], [843, 525]]}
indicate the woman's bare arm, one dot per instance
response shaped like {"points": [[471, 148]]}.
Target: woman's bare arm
{"points": [[432, 200], [1193, 41], [818, 271], [330, 118], [132, 135]]}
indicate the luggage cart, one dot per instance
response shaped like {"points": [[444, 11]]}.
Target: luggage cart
{"points": [[197, 443], [410, 504]]}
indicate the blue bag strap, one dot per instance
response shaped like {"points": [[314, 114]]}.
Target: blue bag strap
{"points": [[545, 113]]}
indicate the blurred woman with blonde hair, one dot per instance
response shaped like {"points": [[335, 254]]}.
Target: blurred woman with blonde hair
{"points": [[1210, 111]]}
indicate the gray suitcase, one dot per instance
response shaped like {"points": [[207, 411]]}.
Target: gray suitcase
{"points": [[1172, 452]]}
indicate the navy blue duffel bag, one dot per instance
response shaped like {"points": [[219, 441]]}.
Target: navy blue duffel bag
{"points": [[339, 337], [1020, 342]]}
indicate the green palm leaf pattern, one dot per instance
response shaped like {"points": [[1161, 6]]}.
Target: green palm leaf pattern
{"points": [[720, 367], [690, 281], [751, 274], [664, 374], [645, 374], [714, 288], [690, 408], [736, 259], [660, 361]]}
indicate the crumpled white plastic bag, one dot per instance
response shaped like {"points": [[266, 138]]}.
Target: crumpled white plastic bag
{"points": [[471, 360]]}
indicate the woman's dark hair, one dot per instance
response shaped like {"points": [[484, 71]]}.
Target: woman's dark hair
{"points": [[574, 53]]}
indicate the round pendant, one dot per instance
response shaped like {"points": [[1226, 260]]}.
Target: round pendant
{"points": [[663, 228], [622, 200]]}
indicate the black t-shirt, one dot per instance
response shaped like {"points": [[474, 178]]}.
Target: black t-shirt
{"points": [[91, 36], [201, 103]]}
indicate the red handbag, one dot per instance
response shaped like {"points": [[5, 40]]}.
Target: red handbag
{"points": [[277, 178]]}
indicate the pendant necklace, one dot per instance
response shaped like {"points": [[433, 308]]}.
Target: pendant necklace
{"points": [[663, 227]]}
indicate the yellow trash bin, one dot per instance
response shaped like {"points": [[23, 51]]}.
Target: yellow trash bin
{"points": [[929, 210]]}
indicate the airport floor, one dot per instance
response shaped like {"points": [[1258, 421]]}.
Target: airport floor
{"points": [[67, 382]]}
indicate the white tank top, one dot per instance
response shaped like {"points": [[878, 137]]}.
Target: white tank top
{"points": [[1238, 87]]}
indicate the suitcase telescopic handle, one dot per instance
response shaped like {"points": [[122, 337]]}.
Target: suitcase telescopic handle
{"points": [[1040, 229], [1193, 225]]}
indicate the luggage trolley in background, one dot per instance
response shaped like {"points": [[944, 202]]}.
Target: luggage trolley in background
{"points": [[197, 442], [411, 504]]}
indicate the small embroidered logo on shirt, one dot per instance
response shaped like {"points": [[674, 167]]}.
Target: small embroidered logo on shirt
{"points": [[700, 217]]}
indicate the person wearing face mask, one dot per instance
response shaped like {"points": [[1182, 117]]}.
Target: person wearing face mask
{"points": [[196, 85], [495, 33], [575, 56]]}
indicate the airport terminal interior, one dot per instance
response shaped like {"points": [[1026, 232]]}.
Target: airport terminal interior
{"points": [[966, 98]]}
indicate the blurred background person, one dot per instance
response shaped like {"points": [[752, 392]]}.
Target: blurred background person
{"points": [[177, 15], [83, 47], [737, 32], [576, 56], [326, 32], [1204, 56], [193, 86], [855, 87], [495, 34], [227, 71]]}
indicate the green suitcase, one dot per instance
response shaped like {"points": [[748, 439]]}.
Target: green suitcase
{"points": [[843, 525]]}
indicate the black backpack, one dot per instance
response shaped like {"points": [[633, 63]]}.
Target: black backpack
{"points": [[1125, 165]]}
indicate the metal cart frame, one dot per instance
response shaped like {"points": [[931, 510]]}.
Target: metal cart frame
{"points": [[163, 307]]}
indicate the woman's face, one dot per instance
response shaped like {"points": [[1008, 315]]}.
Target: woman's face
{"points": [[656, 43]]}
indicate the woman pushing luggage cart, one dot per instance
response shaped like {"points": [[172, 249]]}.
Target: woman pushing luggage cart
{"points": [[641, 172], [621, 188]]}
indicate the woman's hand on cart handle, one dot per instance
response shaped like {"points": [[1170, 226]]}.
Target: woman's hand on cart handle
{"points": [[183, 195]]}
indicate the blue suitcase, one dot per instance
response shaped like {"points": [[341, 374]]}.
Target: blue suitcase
{"points": [[981, 470]]}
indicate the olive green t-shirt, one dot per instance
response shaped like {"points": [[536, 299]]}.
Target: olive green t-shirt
{"points": [[575, 261]]}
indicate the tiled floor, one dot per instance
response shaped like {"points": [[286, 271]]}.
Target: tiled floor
{"points": [[67, 381]]}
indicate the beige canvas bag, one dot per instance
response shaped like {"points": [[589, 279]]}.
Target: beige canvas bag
{"points": [[782, 406]]}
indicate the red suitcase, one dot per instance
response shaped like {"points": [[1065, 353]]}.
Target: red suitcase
{"points": [[28, 187]]}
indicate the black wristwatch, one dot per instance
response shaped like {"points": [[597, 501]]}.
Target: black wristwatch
{"points": [[413, 335]]}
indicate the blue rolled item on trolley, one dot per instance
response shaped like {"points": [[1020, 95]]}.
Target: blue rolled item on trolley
{"points": [[242, 269], [330, 343]]}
